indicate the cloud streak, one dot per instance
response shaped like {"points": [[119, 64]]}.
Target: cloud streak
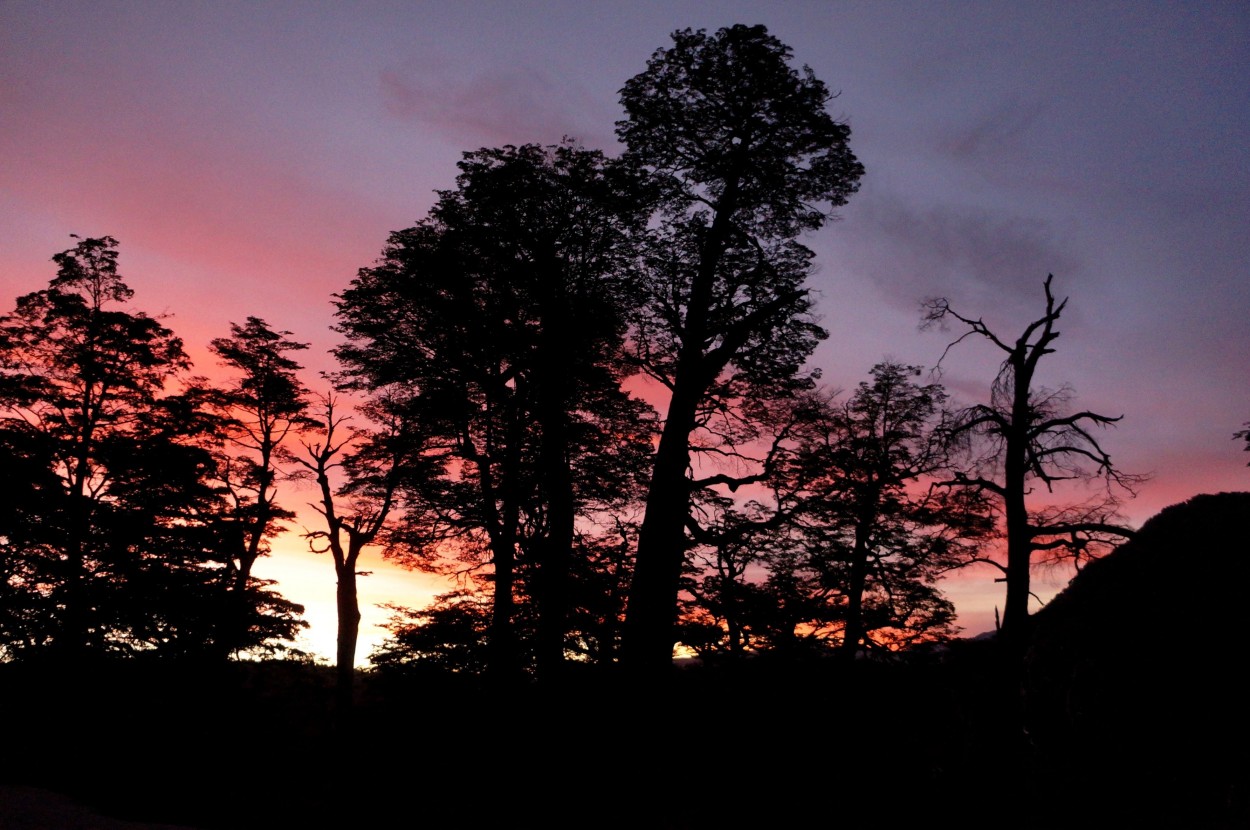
{"points": [[976, 257]]}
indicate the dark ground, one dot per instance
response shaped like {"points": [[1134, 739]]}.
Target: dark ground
{"points": [[931, 741], [1129, 711]]}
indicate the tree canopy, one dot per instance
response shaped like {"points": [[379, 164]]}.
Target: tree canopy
{"points": [[502, 317], [876, 537], [491, 420]]}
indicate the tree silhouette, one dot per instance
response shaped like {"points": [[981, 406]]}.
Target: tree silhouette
{"points": [[875, 538], [501, 316], [851, 542], [1245, 436], [261, 405], [357, 508], [121, 551], [447, 636], [745, 158], [1026, 434]]}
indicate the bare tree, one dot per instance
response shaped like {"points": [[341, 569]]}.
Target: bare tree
{"points": [[1027, 435]]}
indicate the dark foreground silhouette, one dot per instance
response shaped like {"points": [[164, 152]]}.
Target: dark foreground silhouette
{"points": [[1127, 712]]}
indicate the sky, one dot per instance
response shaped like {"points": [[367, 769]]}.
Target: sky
{"points": [[251, 157]]}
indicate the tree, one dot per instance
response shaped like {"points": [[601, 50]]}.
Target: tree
{"points": [[356, 511], [1244, 435], [119, 553], [261, 406], [745, 158], [452, 634], [1027, 434], [875, 537], [502, 317]]}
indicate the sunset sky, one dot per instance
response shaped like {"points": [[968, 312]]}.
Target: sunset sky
{"points": [[250, 157]]}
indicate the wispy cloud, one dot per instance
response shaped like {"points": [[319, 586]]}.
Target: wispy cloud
{"points": [[994, 135], [492, 107], [975, 257]]}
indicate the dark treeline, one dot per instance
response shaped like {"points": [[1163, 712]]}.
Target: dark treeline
{"points": [[138, 497], [581, 388]]}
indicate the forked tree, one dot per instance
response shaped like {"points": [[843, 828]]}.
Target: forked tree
{"points": [[358, 475]]}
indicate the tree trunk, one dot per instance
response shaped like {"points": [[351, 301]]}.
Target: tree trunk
{"points": [[348, 633], [649, 623], [1015, 627], [647, 646], [553, 571], [74, 644], [1019, 539], [502, 646], [853, 633], [556, 549]]}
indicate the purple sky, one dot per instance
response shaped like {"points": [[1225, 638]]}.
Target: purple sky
{"points": [[250, 157]]}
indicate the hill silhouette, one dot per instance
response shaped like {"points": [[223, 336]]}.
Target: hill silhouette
{"points": [[1135, 679]]}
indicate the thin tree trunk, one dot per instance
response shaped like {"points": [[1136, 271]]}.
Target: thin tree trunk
{"points": [[348, 604], [853, 634]]}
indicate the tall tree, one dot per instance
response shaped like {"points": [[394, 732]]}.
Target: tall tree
{"points": [[502, 316], [262, 403], [745, 158], [1027, 434]]}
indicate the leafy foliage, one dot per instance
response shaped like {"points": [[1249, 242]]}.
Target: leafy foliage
{"points": [[848, 550], [876, 538], [501, 319], [260, 406]]}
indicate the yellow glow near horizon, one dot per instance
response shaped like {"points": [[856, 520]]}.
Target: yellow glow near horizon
{"points": [[308, 578]]}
